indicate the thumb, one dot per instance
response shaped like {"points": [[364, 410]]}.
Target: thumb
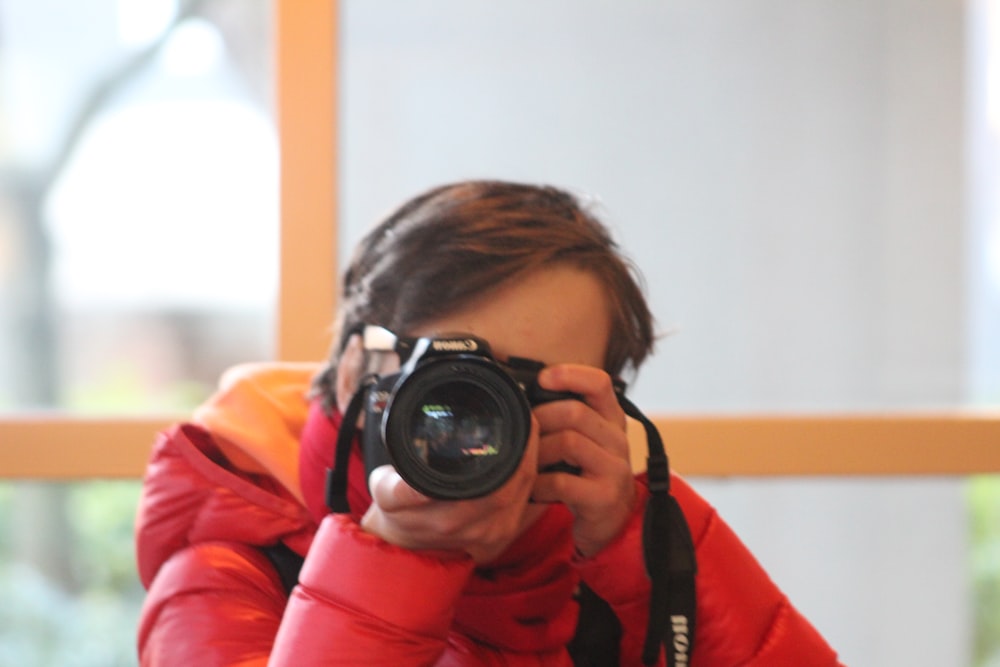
{"points": [[391, 492]]}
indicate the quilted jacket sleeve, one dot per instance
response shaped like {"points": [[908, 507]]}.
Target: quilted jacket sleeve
{"points": [[212, 605], [399, 611], [223, 604]]}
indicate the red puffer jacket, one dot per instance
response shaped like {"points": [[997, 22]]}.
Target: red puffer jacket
{"points": [[220, 488]]}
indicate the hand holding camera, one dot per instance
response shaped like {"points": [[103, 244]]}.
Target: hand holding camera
{"points": [[481, 527], [590, 434], [456, 424]]}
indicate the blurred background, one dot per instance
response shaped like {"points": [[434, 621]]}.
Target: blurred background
{"points": [[138, 259], [810, 189]]}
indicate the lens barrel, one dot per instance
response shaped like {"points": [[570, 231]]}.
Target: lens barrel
{"points": [[455, 427]]}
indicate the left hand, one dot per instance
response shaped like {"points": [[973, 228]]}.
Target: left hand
{"points": [[589, 435], [480, 527]]}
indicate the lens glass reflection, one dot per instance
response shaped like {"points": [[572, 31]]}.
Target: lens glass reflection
{"points": [[458, 429]]}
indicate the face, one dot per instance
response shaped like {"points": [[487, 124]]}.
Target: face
{"points": [[555, 315]]}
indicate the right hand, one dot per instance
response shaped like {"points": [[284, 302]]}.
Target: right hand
{"points": [[480, 527]]}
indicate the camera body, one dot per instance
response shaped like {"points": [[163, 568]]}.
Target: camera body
{"points": [[454, 421]]}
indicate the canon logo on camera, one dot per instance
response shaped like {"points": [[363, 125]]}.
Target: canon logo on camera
{"points": [[455, 345]]}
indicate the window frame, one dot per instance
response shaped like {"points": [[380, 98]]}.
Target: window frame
{"points": [[55, 446]]}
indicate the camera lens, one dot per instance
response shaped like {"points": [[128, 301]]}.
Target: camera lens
{"points": [[457, 429]]}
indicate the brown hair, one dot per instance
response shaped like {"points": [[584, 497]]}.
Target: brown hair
{"points": [[444, 248]]}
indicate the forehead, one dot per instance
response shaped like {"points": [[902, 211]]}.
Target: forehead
{"points": [[556, 315]]}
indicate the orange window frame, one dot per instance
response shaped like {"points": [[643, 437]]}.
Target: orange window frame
{"points": [[58, 447]]}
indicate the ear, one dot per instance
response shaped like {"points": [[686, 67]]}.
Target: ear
{"points": [[349, 370]]}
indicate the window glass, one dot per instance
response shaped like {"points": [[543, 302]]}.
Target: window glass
{"points": [[67, 574], [138, 206], [138, 259]]}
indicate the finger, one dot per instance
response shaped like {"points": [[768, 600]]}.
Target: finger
{"points": [[574, 417], [596, 487], [575, 450], [391, 491], [593, 384]]}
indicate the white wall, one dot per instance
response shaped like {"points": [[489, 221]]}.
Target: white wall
{"points": [[789, 177]]}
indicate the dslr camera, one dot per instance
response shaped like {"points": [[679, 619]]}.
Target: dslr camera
{"points": [[454, 421]]}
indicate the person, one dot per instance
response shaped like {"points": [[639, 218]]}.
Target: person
{"points": [[403, 578]]}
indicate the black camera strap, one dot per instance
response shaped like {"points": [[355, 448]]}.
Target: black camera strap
{"points": [[336, 477], [669, 555]]}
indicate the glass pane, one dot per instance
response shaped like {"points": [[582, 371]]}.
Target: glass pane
{"points": [[67, 574], [984, 501], [138, 206], [812, 192]]}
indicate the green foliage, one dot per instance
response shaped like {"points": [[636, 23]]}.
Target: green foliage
{"points": [[91, 621], [41, 625], [984, 506], [103, 516]]}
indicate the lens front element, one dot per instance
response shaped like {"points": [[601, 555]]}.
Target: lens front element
{"points": [[457, 429]]}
